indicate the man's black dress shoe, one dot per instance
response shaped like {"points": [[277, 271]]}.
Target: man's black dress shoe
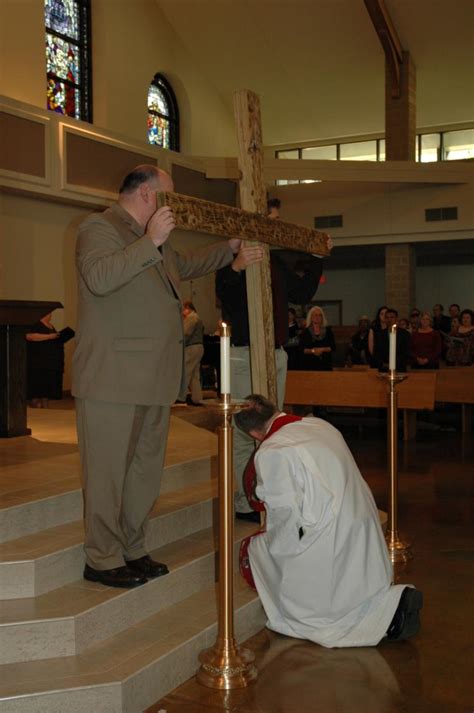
{"points": [[119, 577], [253, 516], [147, 567], [406, 620]]}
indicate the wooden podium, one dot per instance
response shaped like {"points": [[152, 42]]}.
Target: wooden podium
{"points": [[16, 319]]}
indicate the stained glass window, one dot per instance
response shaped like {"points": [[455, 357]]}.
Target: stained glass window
{"points": [[68, 65], [163, 116]]}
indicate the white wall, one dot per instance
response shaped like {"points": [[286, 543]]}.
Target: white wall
{"points": [[445, 284], [131, 42], [380, 213], [363, 291]]}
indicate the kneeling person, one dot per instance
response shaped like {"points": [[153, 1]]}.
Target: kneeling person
{"points": [[322, 568]]}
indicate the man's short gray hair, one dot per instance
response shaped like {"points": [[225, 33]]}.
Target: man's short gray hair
{"points": [[140, 174], [256, 414]]}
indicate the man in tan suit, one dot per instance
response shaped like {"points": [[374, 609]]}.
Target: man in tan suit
{"points": [[128, 368]]}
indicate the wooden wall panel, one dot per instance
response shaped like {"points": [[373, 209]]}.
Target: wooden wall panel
{"points": [[194, 183], [98, 165], [22, 145]]}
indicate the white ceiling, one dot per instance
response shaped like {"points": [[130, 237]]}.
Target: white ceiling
{"points": [[318, 65]]}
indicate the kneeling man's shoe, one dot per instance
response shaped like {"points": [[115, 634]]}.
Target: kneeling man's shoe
{"points": [[147, 567], [119, 577], [406, 620], [190, 402], [252, 516]]}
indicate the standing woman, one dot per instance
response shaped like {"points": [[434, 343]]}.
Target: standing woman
{"points": [[425, 345], [45, 363], [452, 342], [377, 338], [465, 352], [316, 343]]}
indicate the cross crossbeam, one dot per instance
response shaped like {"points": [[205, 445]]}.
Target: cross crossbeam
{"points": [[226, 221]]}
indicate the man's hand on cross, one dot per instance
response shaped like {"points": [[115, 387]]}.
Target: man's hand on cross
{"points": [[160, 225], [235, 245], [246, 256]]}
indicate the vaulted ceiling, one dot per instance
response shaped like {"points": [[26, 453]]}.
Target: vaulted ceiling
{"points": [[318, 65]]}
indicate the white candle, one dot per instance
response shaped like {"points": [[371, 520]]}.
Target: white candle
{"points": [[392, 353], [225, 358]]}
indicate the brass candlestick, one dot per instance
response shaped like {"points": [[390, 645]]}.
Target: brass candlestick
{"points": [[226, 665], [399, 550]]}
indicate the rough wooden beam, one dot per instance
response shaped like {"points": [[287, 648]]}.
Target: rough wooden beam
{"points": [[253, 198], [217, 219]]}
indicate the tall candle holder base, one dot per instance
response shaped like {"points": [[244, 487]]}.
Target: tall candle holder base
{"points": [[225, 665], [399, 550]]}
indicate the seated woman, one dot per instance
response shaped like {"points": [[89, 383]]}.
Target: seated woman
{"points": [[316, 343], [425, 345]]}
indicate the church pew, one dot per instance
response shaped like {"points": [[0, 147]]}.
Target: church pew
{"points": [[456, 385], [453, 385], [353, 388]]}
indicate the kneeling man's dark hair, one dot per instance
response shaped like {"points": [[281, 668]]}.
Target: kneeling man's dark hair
{"points": [[256, 414]]}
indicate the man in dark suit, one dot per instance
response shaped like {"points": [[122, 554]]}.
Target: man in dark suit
{"points": [[296, 284], [128, 368]]}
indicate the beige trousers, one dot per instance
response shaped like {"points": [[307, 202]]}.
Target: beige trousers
{"points": [[122, 449], [192, 356], [241, 386]]}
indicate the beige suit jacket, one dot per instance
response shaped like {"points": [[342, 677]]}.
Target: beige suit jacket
{"points": [[129, 338]]}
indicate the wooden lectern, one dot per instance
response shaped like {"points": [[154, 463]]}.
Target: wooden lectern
{"points": [[16, 319]]}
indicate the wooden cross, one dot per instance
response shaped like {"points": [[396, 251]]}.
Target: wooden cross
{"points": [[250, 224]]}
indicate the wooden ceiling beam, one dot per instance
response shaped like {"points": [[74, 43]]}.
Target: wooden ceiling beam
{"points": [[389, 40]]}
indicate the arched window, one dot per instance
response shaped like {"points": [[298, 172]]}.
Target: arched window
{"points": [[163, 116], [68, 57]]}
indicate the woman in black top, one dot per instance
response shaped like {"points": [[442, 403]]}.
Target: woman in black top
{"points": [[45, 363], [316, 343]]}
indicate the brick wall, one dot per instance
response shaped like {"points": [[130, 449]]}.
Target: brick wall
{"points": [[400, 282]]}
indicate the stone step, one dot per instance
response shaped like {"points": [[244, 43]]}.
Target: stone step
{"points": [[38, 563], [71, 619], [40, 475], [133, 669], [37, 507]]}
